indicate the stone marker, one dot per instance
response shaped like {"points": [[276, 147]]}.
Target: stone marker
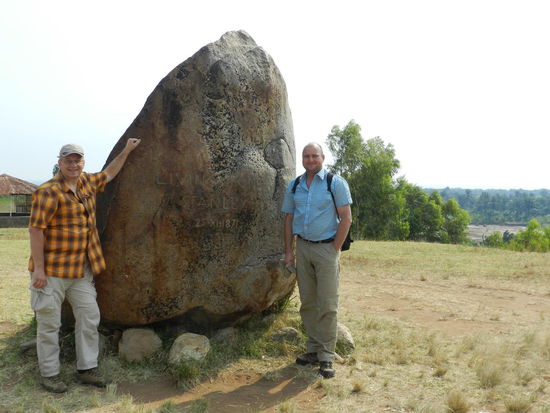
{"points": [[288, 334], [192, 224], [188, 347], [344, 338], [137, 344], [226, 335]]}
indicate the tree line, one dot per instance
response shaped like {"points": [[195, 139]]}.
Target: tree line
{"points": [[385, 207], [494, 206]]}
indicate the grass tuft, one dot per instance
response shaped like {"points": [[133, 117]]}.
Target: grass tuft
{"points": [[287, 407], [168, 407], [457, 402], [49, 406], [518, 405], [199, 406], [490, 374], [358, 387], [440, 371]]}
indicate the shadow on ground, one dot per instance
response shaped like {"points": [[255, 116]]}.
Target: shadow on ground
{"points": [[240, 392]]}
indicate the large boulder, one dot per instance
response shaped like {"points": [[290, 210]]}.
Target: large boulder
{"points": [[192, 226]]}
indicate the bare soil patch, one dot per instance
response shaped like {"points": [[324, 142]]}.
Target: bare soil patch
{"points": [[450, 306], [241, 391], [453, 308]]}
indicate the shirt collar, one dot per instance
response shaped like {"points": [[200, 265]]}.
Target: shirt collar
{"points": [[321, 174], [58, 178]]}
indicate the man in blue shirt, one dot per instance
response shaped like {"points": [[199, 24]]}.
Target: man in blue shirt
{"points": [[311, 216]]}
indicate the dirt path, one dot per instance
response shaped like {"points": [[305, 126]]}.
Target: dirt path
{"points": [[240, 392], [454, 307]]}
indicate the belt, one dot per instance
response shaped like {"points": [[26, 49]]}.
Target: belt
{"points": [[323, 241]]}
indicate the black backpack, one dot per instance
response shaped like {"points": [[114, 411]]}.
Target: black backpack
{"points": [[347, 242]]}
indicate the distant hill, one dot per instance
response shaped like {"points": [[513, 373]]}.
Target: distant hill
{"points": [[501, 206]]}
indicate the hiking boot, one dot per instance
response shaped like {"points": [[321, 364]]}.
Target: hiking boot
{"points": [[326, 370], [93, 377], [307, 359], [53, 384]]}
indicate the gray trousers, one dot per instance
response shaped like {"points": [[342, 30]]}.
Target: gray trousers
{"points": [[47, 301], [317, 271]]}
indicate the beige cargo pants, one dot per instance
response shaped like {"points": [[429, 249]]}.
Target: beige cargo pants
{"points": [[47, 301], [317, 271]]}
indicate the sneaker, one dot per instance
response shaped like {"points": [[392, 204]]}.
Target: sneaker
{"points": [[53, 384], [326, 370], [93, 377], [307, 358]]}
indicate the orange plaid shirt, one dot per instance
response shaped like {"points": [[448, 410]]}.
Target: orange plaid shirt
{"points": [[69, 223]]}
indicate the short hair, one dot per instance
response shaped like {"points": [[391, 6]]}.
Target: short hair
{"points": [[314, 144]]}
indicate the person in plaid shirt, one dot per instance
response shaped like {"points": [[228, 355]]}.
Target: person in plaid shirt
{"points": [[65, 255]]}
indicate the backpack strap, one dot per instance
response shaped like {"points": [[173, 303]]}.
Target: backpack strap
{"points": [[329, 184], [295, 184], [330, 175]]}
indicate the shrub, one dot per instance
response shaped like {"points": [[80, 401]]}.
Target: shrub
{"points": [[534, 238], [495, 240]]}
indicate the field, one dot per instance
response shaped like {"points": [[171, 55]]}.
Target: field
{"points": [[438, 328]]}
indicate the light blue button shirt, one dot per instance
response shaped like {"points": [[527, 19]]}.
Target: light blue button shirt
{"points": [[315, 216]]}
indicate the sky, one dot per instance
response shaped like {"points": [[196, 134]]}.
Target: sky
{"points": [[460, 89]]}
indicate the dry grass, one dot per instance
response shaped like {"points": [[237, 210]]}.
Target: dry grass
{"points": [[287, 407], [398, 364], [457, 402], [490, 373], [518, 405], [358, 386]]}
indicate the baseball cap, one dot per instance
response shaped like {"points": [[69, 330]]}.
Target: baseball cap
{"points": [[69, 149]]}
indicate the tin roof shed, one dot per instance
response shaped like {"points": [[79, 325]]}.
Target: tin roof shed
{"points": [[10, 185], [15, 195]]}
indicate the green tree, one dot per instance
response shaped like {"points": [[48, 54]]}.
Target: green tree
{"points": [[436, 197], [347, 148], [455, 222], [384, 208], [369, 167], [423, 212]]}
